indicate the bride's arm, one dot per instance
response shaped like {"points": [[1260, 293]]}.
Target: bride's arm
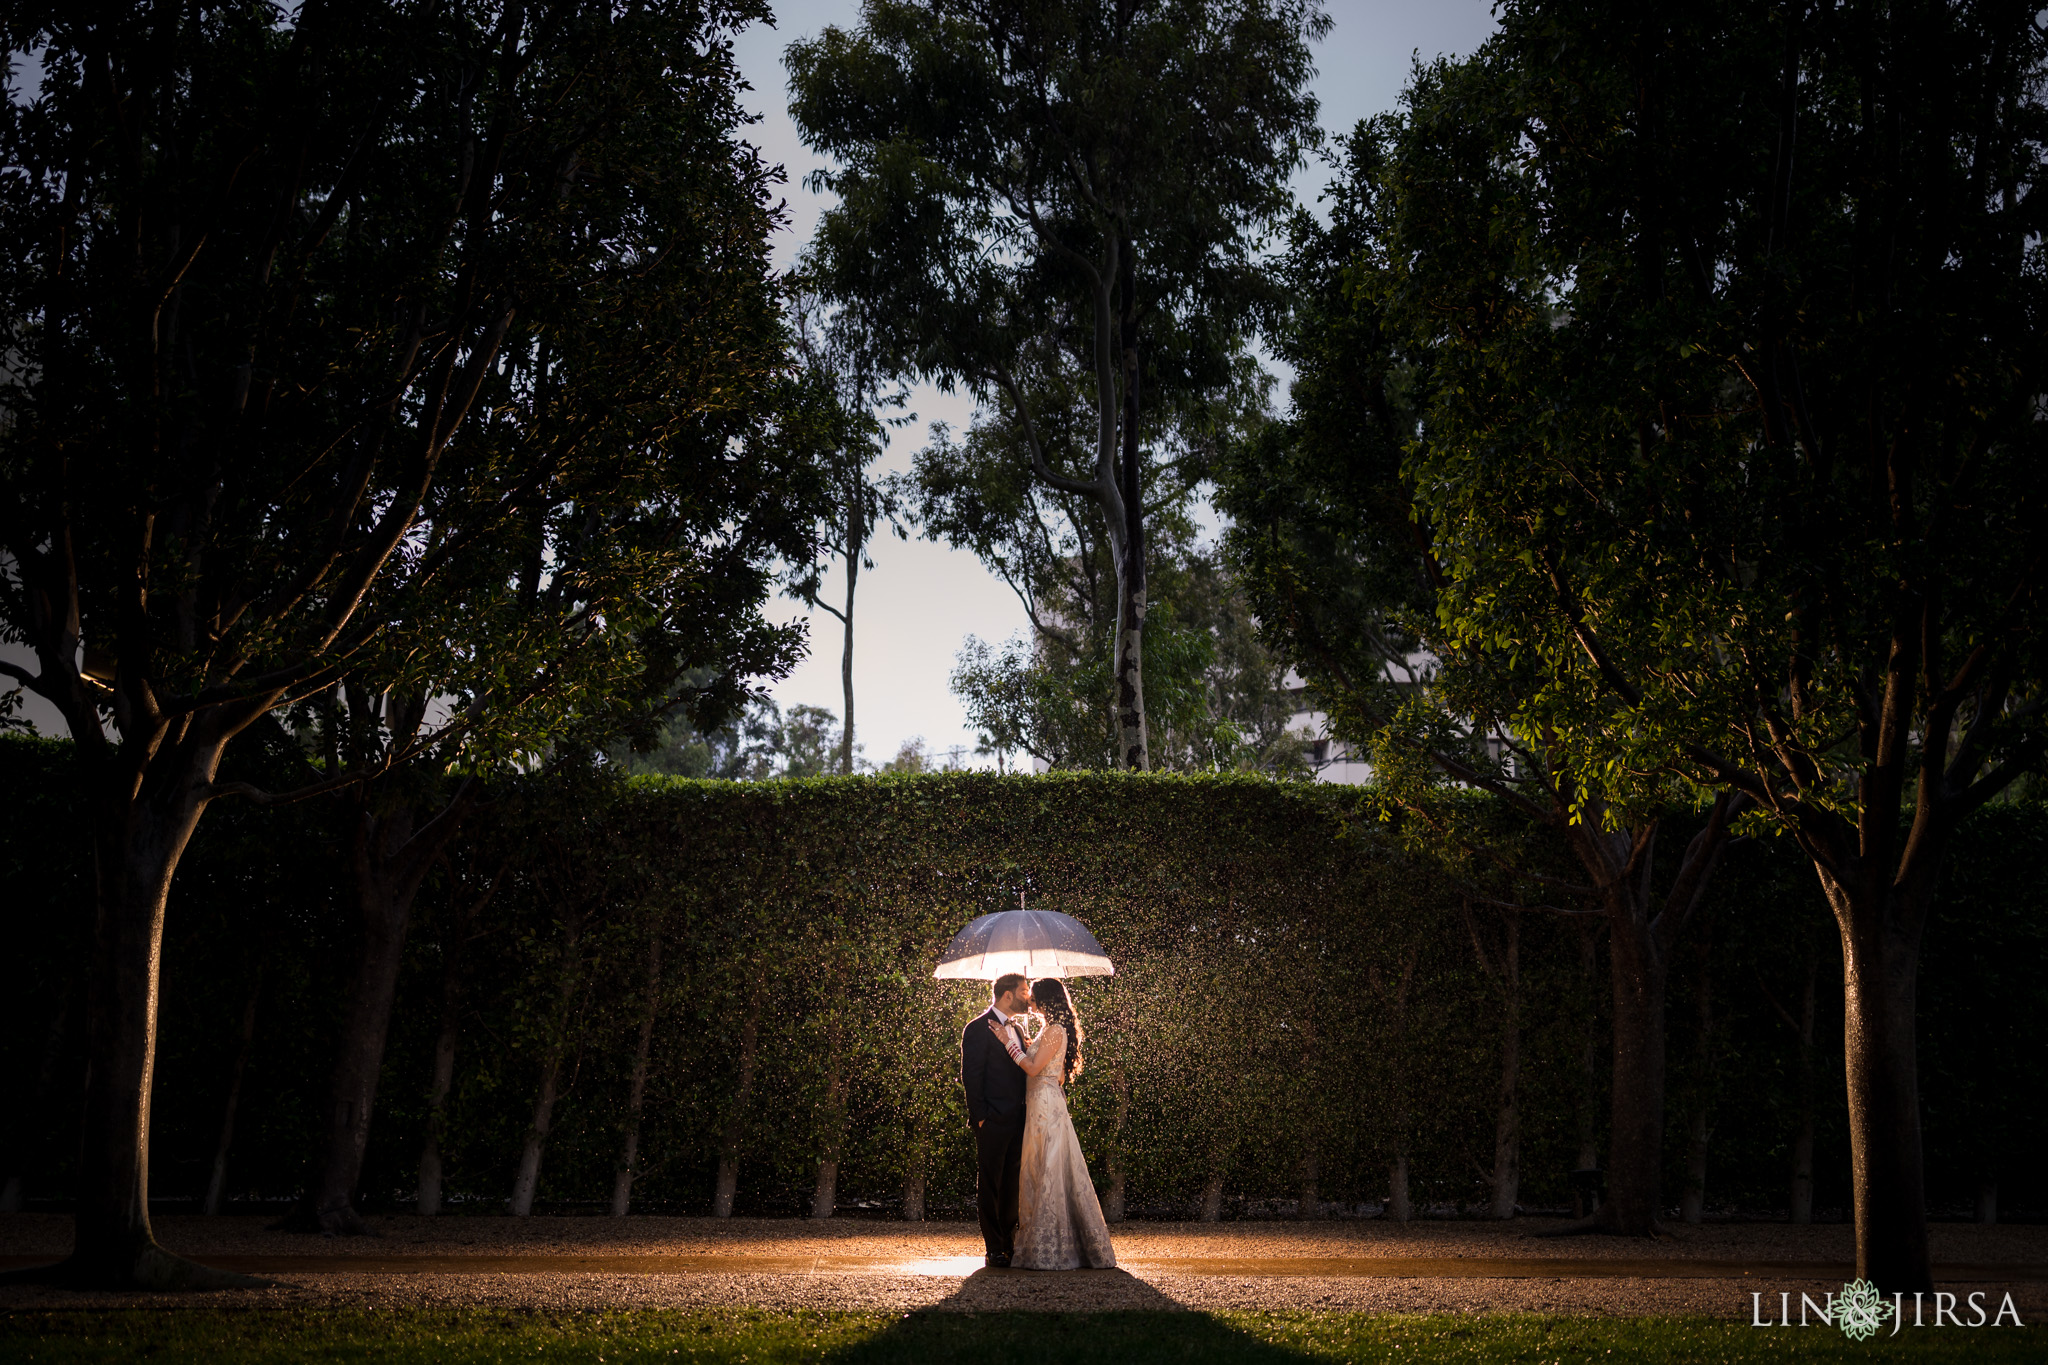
{"points": [[1008, 1039], [1049, 1046]]}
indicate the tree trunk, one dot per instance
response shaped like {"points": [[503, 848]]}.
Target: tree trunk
{"points": [[1507, 1137], [725, 1186], [1400, 1207], [1699, 1128], [832, 1116], [1506, 975], [1583, 1200], [1113, 1198], [1802, 1141], [447, 1041], [1802, 1171], [1802, 1138], [825, 1188], [1641, 938], [736, 1116], [1636, 1110], [1692, 1203], [217, 1178], [445, 1044], [386, 883], [526, 1182], [1502, 964], [429, 1197], [1880, 980], [622, 1183], [1212, 1198], [1987, 1202], [917, 1149], [1134, 744], [137, 843], [1308, 1204], [853, 549], [1117, 485], [1308, 1100]]}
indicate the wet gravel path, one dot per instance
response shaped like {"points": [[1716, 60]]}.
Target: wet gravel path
{"points": [[588, 1263]]}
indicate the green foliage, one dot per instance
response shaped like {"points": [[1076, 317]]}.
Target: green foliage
{"points": [[966, 224], [836, 895], [744, 746], [1625, 268], [809, 741], [1212, 693], [1215, 698], [850, 403], [1019, 704], [759, 742], [1261, 930], [458, 371], [1068, 233], [1694, 352]]}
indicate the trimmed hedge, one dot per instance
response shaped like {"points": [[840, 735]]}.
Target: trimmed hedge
{"points": [[1262, 933], [1257, 928]]}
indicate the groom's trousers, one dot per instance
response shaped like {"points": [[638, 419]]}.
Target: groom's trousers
{"points": [[998, 1155]]}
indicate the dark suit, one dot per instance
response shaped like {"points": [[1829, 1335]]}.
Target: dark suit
{"points": [[995, 1107]]}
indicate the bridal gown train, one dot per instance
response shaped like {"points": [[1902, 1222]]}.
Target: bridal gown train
{"points": [[1059, 1220]]}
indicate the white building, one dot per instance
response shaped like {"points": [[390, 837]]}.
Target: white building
{"points": [[1331, 758]]}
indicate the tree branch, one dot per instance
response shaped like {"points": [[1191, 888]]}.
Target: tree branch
{"points": [[261, 797], [1594, 911], [1588, 641], [1090, 490]]}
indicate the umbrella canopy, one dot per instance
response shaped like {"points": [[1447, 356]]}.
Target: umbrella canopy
{"points": [[1037, 943]]}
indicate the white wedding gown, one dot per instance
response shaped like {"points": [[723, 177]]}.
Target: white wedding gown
{"points": [[1059, 1219]]}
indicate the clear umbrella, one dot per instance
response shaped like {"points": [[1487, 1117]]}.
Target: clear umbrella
{"points": [[1036, 943]]}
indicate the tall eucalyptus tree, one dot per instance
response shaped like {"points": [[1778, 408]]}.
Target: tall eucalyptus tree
{"points": [[1031, 192]]}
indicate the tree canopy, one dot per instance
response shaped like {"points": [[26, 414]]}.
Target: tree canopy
{"points": [[1707, 341], [432, 349], [1055, 206]]}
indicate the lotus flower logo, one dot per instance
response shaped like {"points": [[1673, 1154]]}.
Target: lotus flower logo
{"points": [[1860, 1311]]}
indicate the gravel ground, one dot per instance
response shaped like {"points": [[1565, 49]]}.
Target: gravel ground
{"points": [[490, 1234], [1157, 1254]]}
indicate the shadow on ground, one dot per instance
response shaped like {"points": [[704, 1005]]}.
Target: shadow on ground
{"points": [[996, 1318]]}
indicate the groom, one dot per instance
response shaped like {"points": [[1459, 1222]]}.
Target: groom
{"points": [[995, 1106]]}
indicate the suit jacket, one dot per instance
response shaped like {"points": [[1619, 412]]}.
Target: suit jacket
{"points": [[994, 1084]]}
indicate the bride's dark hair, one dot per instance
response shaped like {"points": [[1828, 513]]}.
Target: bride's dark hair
{"points": [[1049, 998]]}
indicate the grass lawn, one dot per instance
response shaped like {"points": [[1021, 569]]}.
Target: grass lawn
{"points": [[762, 1337]]}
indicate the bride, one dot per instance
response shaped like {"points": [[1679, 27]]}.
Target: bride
{"points": [[1059, 1220]]}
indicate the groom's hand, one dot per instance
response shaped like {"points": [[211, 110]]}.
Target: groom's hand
{"points": [[1007, 1034]]}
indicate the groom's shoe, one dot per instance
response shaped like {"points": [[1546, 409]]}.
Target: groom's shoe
{"points": [[1000, 1261]]}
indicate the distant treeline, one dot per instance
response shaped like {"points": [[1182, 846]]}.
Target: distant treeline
{"points": [[1302, 1009]]}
